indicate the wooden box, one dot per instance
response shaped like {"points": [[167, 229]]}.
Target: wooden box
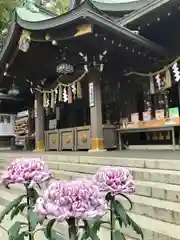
{"points": [[66, 139], [51, 140], [82, 138]]}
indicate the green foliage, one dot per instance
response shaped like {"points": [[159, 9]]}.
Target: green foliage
{"points": [[117, 235], [6, 8], [33, 221], [21, 236], [120, 213], [58, 6], [13, 231], [124, 219], [90, 230], [18, 209], [10, 206], [48, 230], [134, 225]]}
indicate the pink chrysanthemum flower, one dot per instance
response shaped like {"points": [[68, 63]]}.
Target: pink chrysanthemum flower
{"points": [[29, 171], [114, 180], [71, 199]]}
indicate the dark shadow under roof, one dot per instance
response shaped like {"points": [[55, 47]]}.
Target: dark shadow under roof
{"points": [[138, 14]]}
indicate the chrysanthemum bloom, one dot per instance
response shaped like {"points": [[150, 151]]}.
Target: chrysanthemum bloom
{"points": [[29, 171], [114, 180], [71, 199]]}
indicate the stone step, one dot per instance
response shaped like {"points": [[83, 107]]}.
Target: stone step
{"points": [[153, 229], [167, 164], [169, 192], [154, 208], [151, 207], [152, 175], [161, 191]]}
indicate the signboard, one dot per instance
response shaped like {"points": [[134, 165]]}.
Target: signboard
{"points": [[146, 116], [159, 114], [7, 125], [35, 108], [91, 95], [135, 117], [83, 29], [52, 124], [173, 112]]}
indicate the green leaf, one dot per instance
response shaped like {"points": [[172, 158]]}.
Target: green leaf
{"points": [[17, 209], [14, 230], [48, 229], [117, 235], [134, 225], [84, 236], [120, 213], [53, 235], [95, 225], [32, 219], [10, 206], [21, 236], [91, 231], [128, 199]]}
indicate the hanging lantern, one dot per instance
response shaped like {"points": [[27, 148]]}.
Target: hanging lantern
{"points": [[14, 91], [64, 68]]}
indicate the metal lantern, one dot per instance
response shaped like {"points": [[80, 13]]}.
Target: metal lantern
{"points": [[64, 68], [14, 91]]}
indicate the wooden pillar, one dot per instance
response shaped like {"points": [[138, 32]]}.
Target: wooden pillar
{"points": [[30, 132], [97, 139], [39, 122]]}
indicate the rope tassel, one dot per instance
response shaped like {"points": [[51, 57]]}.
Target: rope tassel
{"points": [[69, 95], [44, 100], [52, 100], [60, 94], [79, 90]]}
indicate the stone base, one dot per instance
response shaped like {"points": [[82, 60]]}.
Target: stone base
{"points": [[97, 145], [39, 146], [97, 150]]}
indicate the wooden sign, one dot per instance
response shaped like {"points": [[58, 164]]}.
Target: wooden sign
{"points": [[91, 95], [83, 29]]}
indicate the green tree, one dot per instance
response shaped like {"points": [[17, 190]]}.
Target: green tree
{"points": [[6, 7], [57, 6]]}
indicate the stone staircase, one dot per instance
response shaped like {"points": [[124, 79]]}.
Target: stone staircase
{"points": [[156, 202]]}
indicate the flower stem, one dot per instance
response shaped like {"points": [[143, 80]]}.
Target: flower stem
{"points": [[112, 218], [28, 207], [72, 229]]}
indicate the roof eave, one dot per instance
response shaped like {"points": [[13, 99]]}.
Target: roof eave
{"points": [[142, 11], [84, 11]]}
